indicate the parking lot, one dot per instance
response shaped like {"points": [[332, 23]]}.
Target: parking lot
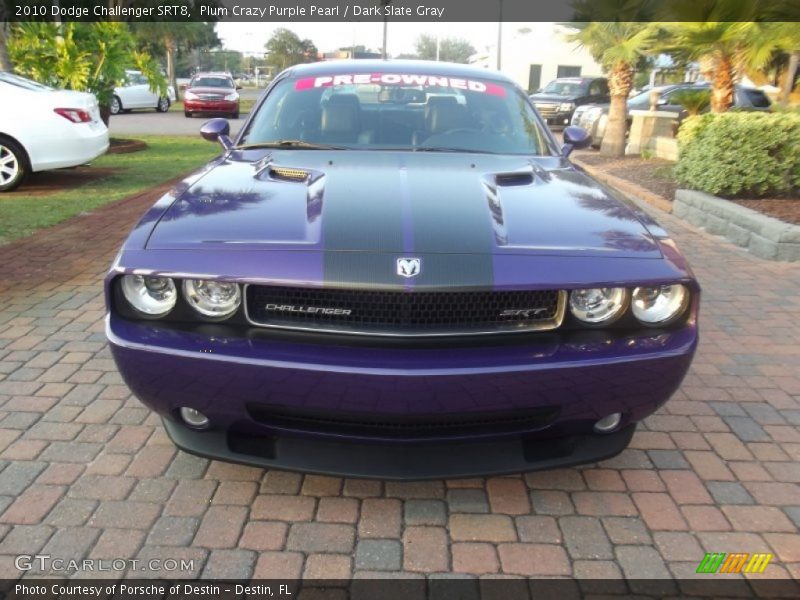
{"points": [[169, 123], [86, 471]]}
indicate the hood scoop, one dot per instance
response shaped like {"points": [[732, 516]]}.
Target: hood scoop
{"points": [[265, 170], [513, 179]]}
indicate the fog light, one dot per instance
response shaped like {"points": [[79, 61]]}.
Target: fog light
{"points": [[608, 423], [194, 418]]}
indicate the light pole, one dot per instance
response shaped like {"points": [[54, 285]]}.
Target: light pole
{"points": [[500, 36], [384, 4]]}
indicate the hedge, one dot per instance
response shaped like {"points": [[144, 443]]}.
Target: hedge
{"points": [[740, 154]]}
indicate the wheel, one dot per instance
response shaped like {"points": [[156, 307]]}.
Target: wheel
{"points": [[187, 114], [235, 115], [116, 105], [163, 105], [13, 165]]}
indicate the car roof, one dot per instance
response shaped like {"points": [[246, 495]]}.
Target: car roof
{"points": [[211, 74], [421, 67]]}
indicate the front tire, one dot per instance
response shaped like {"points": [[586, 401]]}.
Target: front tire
{"points": [[187, 114], [163, 105], [13, 165], [235, 115], [116, 106]]}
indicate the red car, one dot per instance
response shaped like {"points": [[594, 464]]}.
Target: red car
{"points": [[211, 93]]}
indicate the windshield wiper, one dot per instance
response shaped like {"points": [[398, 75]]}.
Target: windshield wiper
{"points": [[446, 149], [291, 144]]}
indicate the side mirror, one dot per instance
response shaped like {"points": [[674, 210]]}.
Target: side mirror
{"points": [[575, 138], [217, 130], [238, 87], [662, 102]]}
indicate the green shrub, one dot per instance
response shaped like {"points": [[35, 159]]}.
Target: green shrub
{"points": [[740, 154]]}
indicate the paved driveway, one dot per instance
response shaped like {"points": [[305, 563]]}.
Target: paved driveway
{"points": [[147, 122], [86, 471]]}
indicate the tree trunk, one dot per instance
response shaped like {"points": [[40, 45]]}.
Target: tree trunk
{"points": [[5, 61], [722, 86], [788, 82], [169, 46], [619, 84]]}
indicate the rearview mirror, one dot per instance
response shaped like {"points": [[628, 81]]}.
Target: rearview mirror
{"points": [[217, 130], [575, 138]]}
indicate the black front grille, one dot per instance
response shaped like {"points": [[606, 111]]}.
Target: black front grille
{"points": [[547, 110], [404, 312], [370, 425]]}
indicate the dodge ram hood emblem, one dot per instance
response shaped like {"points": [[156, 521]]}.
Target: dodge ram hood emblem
{"points": [[408, 267]]}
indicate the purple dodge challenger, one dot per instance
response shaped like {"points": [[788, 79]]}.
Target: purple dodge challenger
{"points": [[395, 271]]}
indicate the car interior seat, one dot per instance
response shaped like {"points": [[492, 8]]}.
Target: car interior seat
{"points": [[442, 114], [340, 122]]}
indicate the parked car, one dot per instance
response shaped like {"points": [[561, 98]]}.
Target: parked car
{"points": [[212, 93], [135, 92], [594, 117], [42, 128], [399, 290], [559, 98]]}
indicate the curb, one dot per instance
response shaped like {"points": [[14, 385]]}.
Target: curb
{"points": [[764, 236], [626, 186]]}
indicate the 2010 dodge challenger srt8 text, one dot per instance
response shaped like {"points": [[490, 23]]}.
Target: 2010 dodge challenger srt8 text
{"points": [[395, 271]]}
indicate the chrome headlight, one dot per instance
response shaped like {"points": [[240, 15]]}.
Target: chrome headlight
{"points": [[232, 97], [189, 96], [154, 296], [661, 304], [566, 107], [598, 305], [594, 113], [212, 298]]}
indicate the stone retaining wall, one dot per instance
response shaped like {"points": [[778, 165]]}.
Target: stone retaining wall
{"points": [[764, 236]]}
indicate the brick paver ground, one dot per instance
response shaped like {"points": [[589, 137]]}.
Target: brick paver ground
{"points": [[86, 471]]}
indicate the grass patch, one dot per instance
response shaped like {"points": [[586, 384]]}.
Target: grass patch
{"points": [[245, 105], [166, 158]]}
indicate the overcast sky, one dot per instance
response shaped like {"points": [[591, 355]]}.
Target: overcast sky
{"points": [[251, 37]]}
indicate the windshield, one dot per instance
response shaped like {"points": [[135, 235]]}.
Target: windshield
{"points": [[21, 82], [217, 82], [394, 111], [565, 88]]}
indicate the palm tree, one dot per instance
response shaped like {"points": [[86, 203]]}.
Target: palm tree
{"points": [[168, 37], [5, 61], [617, 46], [787, 37], [724, 37]]}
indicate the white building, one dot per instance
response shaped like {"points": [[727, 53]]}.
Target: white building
{"points": [[533, 54]]}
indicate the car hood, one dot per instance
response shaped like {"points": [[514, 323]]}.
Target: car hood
{"points": [[211, 90], [551, 98], [402, 203]]}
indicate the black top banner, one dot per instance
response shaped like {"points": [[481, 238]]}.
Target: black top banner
{"points": [[287, 11]]}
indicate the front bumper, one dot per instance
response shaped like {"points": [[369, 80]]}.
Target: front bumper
{"points": [[556, 119], [392, 461], [211, 106], [247, 385]]}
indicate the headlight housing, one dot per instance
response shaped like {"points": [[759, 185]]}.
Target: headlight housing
{"points": [[566, 107], [215, 299], [189, 96], [598, 306], [232, 97], [149, 295], [594, 113], [660, 305]]}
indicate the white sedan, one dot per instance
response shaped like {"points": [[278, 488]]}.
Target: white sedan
{"points": [[42, 128], [135, 92]]}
